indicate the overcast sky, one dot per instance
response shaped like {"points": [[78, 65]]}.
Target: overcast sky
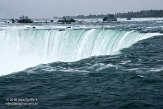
{"points": [[50, 8]]}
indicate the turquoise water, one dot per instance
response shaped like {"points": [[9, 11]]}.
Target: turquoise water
{"points": [[130, 80], [24, 48], [117, 67]]}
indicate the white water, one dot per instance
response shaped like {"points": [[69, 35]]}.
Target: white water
{"points": [[24, 48]]}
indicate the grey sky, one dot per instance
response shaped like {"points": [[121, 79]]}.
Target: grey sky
{"points": [[50, 8]]}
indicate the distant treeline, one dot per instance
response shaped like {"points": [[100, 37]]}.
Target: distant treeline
{"points": [[139, 14]]}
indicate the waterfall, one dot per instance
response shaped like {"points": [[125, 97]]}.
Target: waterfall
{"points": [[23, 48]]}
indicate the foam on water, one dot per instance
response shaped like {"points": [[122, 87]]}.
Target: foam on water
{"points": [[24, 48]]}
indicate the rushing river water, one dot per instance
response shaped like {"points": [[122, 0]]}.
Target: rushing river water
{"points": [[93, 68]]}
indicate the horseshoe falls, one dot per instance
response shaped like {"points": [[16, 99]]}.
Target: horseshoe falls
{"points": [[24, 48]]}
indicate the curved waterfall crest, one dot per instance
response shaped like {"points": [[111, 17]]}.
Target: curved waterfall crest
{"points": [[23, 48]]}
